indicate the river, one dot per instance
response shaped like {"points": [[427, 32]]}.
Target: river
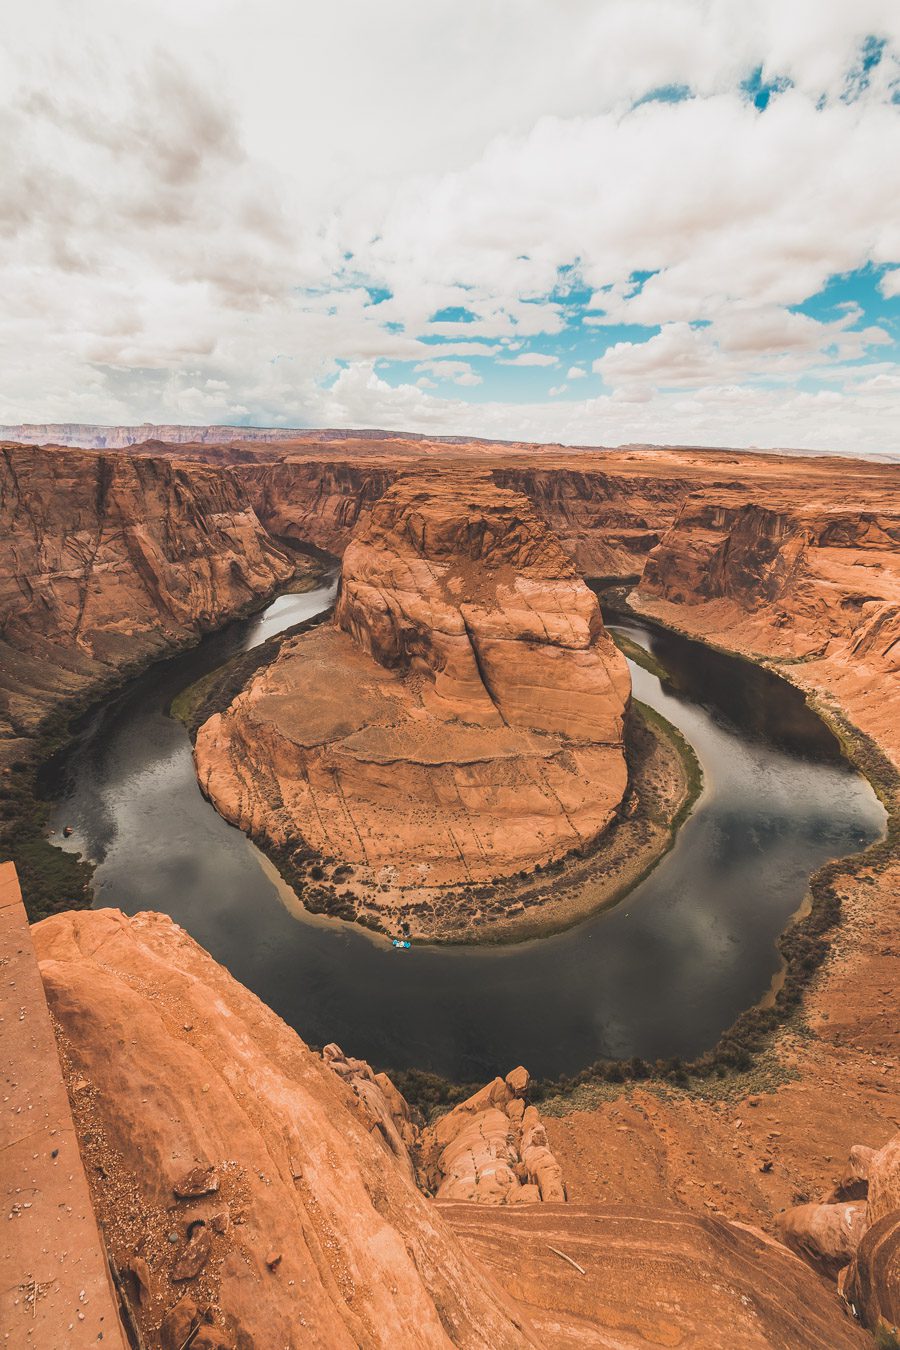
{"points": [[661, 974]]}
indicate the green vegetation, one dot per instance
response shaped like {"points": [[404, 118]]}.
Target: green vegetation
{"points": [[690, 763], [215, 691], [51, 879], [638, 654], [429, 1093]]}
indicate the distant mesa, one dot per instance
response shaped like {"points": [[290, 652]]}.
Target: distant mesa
{"points": [[460, 721]]}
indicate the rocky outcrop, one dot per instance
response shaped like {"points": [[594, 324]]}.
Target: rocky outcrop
{"points": [[461, 722], [107, 561], [380, 1106], [872, 1284], [492, 1149], [315, 1234], [247, 1200], [857, 1243]]}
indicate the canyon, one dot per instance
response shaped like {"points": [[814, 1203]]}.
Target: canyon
{"points": [[629, 1214]]}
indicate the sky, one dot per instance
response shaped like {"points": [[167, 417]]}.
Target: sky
{"points": [[577, 221]]}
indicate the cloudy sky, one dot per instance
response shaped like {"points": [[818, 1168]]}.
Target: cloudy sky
{"points": [[589, 221]]}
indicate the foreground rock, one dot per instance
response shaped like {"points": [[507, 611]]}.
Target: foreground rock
{"points": [[177, 1067], [315, 1235], [461, 722], [857, 1243]]}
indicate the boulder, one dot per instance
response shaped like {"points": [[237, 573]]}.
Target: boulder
{"points": [[824, 1235]]}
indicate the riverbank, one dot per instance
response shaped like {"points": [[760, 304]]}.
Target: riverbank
{"points": [[744, 1057], [664, 781], [51, 878], [822, 1066]]}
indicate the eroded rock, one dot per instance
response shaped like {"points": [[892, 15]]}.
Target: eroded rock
{"points": [[826, 1236], [462, 720]]}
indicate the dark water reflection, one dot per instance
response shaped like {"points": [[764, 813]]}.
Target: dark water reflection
{"points": [[662, 974]]}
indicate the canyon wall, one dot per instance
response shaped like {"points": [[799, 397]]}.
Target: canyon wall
{"points": [[460, 723], [811, 583], [606, 520], [316, 502], [108, 561], [609, 509]]}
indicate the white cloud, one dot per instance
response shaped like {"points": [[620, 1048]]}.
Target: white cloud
{"points": [[460, 372], [198, 238], [756, 343], [860, 423], [890, 284], [531, 359]]}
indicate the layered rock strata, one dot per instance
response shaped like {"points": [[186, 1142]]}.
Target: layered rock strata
{"points": [[247, 1199], [107, 561], [460, 722], [813, 583]]}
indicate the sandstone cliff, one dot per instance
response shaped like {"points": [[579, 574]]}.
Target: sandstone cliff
{"points": [[608, 508], [106, 562], [248, 1191], [461, 721], [795, 579]]}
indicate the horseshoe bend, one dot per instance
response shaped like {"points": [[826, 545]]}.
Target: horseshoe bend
{"points": [[461, 736]]}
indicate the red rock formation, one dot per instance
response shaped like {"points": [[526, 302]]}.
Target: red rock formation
{"points": [[826, 1236], [872, 1286], [107, 561], [796, 579], [315, 501], [461, 722], [492, 1149], [316, 1235], [858, 1242]]}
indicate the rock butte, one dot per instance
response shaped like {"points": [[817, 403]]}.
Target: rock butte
{"points": [[460, 721]]}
